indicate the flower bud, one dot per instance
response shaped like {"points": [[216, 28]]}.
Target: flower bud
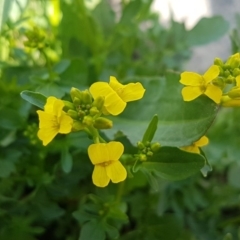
{"points": [[236, 72], [93, 111], [234, 60], [102, 123], [77, 126], [230, 79], [149, 153], [219, 82], [76, 101], [142, 157], [226, 101], [75, 93], [73, 114], [234, 93], [155, 146], [226, 73], [68, 105], [86, 97], [218, 61], [99, 102], [88, 120], [140, 145]]}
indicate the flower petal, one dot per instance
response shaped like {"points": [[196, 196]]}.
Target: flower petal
{"points": [[66, 123], [190, 93], [192, 149], [98, 153], [114, 104], [191, 79], [46, 120], [132, 92], [100, 89], [57, 107], [47, 135], [115, 150], [214, 92], [116, 172], [99, 176], [115, 84], [211, 73], [202, 141], [48, 107]]}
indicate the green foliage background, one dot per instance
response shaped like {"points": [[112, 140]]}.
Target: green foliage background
{"points": [[47, 192]]}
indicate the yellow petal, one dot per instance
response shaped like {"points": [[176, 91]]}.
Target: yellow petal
{"points": [[57, 107], [202, 141], [132, 92], [100, 89], [49, 104], [191, 79], [116, 172], [114, 104], [98, 153], [65, 123], [46, 120], [99, 176], [192, 149], [211, 73], [115, 84], [213, 92], [190, 93], [238, 81], [47, 135], [115, 150]]}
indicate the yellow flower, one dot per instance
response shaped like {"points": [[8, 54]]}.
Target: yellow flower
{"points": [[53, 120], [198, 85], [116, 94], [194, 148], [105, 158]]}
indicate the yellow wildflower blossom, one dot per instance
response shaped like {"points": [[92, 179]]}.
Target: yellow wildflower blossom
{"points": [[194, 148], [105, 158], [53, 120], [197, 85], [116, 94]]}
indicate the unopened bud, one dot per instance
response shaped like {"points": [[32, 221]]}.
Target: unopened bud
{"points": [[93, 111], [140, 145], [88, 120], [77, 126], [76, 101], [226, 73], [230, 79], [73, 114], [149, 153], [86, 97], [218, 61], [218, 82], [155, 146], [75, 93], [234, 60], [142, 157], [68, 105], [234, 93], [236, 72], [102, 123], [226, 101], [99, 102]]}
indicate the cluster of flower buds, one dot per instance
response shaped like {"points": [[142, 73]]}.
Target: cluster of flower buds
{"points": [[35, 38], [146, 150], [85, 111]]}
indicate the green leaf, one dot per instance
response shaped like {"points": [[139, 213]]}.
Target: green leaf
{"points": [[174, 164], [92, 230], [10, 119], [207, 30], [180, 123], [66, 160], [61, 66], [34, 98], [152, 127], [5, 7]]}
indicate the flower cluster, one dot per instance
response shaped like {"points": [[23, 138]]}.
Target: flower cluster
{"points": [[86, 112], [214, 82]]}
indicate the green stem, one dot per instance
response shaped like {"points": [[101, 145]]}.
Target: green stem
{"points": [[120, 191]]}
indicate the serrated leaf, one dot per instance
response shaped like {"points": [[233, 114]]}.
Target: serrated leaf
{"points": [[34, 98], [174, 164], [151, 129]]}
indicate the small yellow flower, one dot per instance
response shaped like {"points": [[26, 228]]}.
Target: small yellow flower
{"points": [[197, 85], [53, 120], [105, 158], [194, 148], [116, 94]]}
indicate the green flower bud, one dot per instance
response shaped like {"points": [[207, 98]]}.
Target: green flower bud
{"points": [[140, 145], [73, 114], [76, 101], [219, 82], [226, 73], [234, 60], [99, 102], [77, 126], [68, 105], [234, 93], [93, 111], [218, 61], [86, 97], [236, 72], [75, 93], [155, 146], [149, 154], [230, 79], [102, 123], [88, 120], [142, 157]]}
